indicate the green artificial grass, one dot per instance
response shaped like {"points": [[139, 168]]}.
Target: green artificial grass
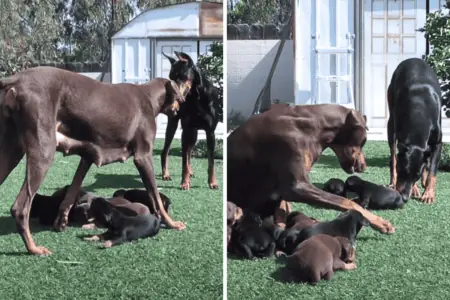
{"points": [[173, 265], [412, 263]]}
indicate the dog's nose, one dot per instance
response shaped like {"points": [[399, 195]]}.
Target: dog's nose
{"points": [[405, 197]]}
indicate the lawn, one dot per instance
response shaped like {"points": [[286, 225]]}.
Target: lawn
{"points": [[173, 265], [412, 263]]}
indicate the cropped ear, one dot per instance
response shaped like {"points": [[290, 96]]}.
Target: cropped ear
{"points": [[184, 57], [365, 122], [355, 118], [347, 249], [171, 59]]}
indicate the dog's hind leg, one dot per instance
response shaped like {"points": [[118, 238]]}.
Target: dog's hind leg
{"points": [[11, 150], [188, 140], [72, 192], [171, 128], [143, 161], [40, 154], [211, 144]]}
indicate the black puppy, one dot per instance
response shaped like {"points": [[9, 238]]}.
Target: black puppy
{"points": [[335, 186], [252, 237], [348, 224], [295, 222], [373, 196], [141, 196], [46, 208], [121, 228], [414, 128]]}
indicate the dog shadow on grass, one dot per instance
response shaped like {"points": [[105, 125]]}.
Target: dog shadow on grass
{"points": [[333, 162], [125, 181], [172, 152]]}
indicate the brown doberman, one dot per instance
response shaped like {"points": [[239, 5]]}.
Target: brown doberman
{"points": [[46, 109], [270, 156]]}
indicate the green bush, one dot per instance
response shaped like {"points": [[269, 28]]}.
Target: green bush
{"points": [[444, 163], [437, 30], [201, 151]]}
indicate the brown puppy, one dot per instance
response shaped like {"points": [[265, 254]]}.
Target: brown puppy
{"points": [[234, 213], [319, 256]]}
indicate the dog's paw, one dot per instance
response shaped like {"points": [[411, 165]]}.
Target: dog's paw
{"points": [[185, 186], [280, 254], [213, 185], [166, 177], [383, 226], [39, 250], [93, 238], [89, 226], [107, 244], [178, 225], [415, 192], [61, 223], [428, 197], [350, 266]]}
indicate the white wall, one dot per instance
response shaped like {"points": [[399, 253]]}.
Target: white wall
{"points": [[249, 63]]}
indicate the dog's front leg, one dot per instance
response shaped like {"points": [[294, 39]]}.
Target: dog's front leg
{"points": [[171, 129], [430, 186], [211, 144], [392, 142], [307, 193], [72, 193], [144, 164], [188, 140], [40, 154]]}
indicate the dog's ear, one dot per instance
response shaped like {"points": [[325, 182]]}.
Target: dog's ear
{"points": [[184, 57], [365, 122], [173, 91], [355, 118], [171, 59]]}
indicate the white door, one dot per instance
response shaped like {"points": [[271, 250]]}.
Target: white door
{"points": [[163, 66], [131, 61], [390, 37]]}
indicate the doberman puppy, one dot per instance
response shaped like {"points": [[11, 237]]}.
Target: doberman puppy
{"points": [[234, 214], [46, 208], [252, 237], [319, 257], [68, 108], [348, 224], [414, 128], [296, 222], [373, 196], [270, 156], [202, 110], [141, 196], [335, 186], [121, 227], [124, 206]]}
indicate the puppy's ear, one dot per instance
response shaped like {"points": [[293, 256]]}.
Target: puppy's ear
{"points": [[171, 59], [184, 57], [355, 118], [173, 92]]}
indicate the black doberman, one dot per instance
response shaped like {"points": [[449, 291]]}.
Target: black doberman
{"points": [[414, 128], [203, 112]]}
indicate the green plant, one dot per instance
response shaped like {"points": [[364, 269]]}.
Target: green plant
{"points": [[211, 65], [201, 150], [444, 163], [437, 31]]}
